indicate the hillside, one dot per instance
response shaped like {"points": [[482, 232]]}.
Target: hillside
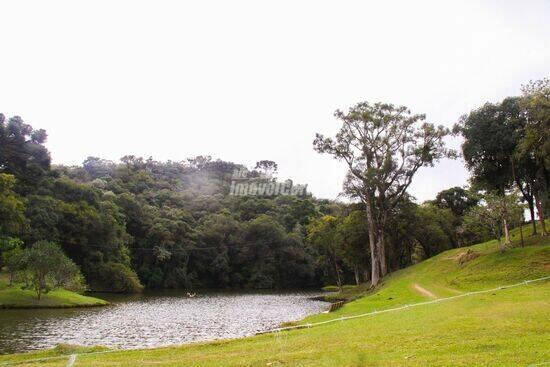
{"points": [[507, 327]]}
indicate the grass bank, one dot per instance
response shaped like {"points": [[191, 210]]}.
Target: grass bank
{"points": [[507, 327], [15, 297]]}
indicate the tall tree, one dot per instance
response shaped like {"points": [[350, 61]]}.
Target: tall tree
{"points": [[383, 147], [491, 134], [492, 150], [534, 145], [22, 153]]}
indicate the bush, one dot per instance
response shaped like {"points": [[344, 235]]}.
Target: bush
{"points": [[115, 277]]}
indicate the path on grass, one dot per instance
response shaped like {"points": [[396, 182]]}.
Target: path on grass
{"points": [[424, 291]]}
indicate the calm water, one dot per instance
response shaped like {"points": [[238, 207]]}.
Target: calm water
{"points": [[152, 320]]}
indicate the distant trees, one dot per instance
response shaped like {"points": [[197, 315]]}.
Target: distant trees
{"points": [[493, 214], [457, 199], [383, 147]]}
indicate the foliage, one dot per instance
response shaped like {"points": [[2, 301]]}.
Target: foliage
{"points": [[139, 222], [22, 153], [457, 199], [494, 214], [43, 267], [322, 233], [506, 144], [383, 147], [12, 208]]}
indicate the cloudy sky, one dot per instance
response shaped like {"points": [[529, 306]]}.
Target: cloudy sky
{"points": [[251, 80]]}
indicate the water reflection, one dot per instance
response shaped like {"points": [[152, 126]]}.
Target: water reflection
{"points": [[153, 319]]}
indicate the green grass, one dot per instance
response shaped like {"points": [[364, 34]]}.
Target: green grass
{"points": [[508, 327], [15, 297], [349, 293]]}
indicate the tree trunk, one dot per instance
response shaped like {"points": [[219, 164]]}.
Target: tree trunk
{"points": [[338, 279], [375, 273], [501, 245], [507, 241], [521, 232], [356, 273], [541, 217], [527, 193], [533, 218], [381, 253], [366, 274]]}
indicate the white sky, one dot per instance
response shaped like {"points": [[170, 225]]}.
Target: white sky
{"points": [[251, 80]]}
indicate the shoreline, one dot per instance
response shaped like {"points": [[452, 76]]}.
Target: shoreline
{"points": [[51, 307]]}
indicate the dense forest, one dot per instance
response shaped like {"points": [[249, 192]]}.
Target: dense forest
{"points": [[141, 223]]}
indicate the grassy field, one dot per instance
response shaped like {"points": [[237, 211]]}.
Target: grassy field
{"points": [[15, 297], [507, 327]]}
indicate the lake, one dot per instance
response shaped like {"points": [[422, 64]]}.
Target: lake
{"points": [[154, 319]]}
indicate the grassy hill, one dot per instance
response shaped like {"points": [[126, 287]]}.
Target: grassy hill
{"points": [[15, 297], [507, 327]]}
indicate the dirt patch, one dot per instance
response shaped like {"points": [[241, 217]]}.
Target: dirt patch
{"points": [[464, 257], [423, 291]]}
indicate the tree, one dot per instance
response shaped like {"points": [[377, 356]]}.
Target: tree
{"points": [[48, 267], [456, 199], [434, 229], [383, 147], [493, 136], [12, 209], [322, 233], [268, 168], [534, 145], [22, 153], [13, 257], [491, 216], [352, 237]]}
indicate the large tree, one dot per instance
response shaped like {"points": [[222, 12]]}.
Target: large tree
{"points": [[22, 153], [534, 145], [499, 152], [383, 146]]}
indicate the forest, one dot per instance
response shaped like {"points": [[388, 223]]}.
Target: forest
{"points": [[140, 223]]}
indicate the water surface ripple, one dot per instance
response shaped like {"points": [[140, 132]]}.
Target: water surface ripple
{"points": [[152, 320]]}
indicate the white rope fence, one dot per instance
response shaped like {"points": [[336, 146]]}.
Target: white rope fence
{"points": [[71, 358], [404, 307]]}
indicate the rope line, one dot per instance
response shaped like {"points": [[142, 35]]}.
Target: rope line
{"points": [[343, 318], [310, 325]]}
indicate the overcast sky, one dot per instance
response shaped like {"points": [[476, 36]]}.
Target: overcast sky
{"points": [[251, 80]]}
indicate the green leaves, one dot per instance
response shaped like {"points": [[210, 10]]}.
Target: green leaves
{"points": [[12, 208]]}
